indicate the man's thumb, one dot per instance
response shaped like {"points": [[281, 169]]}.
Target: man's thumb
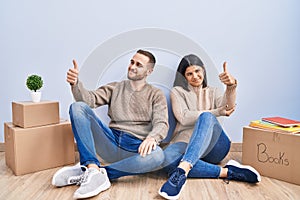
{"points": [[225, 66], [75, 64]]}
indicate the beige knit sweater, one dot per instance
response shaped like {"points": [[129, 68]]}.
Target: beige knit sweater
{"points": [[188, 105], [142, 113]]}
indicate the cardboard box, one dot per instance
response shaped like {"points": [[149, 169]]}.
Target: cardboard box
{"points": [[28, 114], [272, 154], [34, 149]]}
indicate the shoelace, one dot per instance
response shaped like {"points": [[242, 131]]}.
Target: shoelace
{"points": [[175, 178], [83, 177], [76, 179], [80, 178]]}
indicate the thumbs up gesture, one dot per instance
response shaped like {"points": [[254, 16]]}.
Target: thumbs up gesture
{"points": [[225, 77], [72, 74]]}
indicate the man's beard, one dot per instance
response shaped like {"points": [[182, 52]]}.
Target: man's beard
{"points": [[136, 77]]}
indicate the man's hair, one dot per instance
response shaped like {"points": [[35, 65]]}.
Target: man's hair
{"points": [[185, 62], [149, 55]]}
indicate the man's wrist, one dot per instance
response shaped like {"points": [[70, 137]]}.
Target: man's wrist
{"points": [[152, 138]]}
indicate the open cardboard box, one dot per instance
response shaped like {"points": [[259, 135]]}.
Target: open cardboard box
{"points": [[272, 154]]}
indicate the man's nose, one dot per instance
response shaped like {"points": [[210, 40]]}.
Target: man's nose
{"points": [[132, 67]]}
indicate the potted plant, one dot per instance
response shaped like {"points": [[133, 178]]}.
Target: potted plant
{"points": [[34, 83]]}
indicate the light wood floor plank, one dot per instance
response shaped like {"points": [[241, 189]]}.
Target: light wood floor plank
{"points": [[37, 186]]}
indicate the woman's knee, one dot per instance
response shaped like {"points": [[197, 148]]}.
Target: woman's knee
{"points": [[207, 115]]}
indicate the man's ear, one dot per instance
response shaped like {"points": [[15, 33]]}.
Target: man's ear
{"points": [[149, 70]]}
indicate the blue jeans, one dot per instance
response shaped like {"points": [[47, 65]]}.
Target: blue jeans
{"points": [[116, 147], [208, 146]]}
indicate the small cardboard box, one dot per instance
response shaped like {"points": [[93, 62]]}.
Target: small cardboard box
{"points": [[28, 114], [272, 154], [38, 148]]}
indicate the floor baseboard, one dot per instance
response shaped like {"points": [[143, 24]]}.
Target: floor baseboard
{"points": [[236, 147], [2, 147]]}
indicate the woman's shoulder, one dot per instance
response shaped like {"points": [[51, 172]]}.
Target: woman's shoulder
{"points": [[178, 89], [211, 89]]}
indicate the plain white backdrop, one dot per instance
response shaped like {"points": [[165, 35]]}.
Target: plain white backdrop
{"points": [[259, 40]]}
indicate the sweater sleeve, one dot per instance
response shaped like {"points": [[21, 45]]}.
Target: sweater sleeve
{"points": [[230, 95], [181, 111], [226, 100], [94, 98], [160, 123], [187, 117]]}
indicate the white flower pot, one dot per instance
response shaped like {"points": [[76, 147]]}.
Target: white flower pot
{"points": [[36, 96]]}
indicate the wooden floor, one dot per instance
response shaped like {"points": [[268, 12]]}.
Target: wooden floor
{"points": [[143, 187]]}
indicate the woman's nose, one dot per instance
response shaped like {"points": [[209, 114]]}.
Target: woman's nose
{"points": [[194, 75]]}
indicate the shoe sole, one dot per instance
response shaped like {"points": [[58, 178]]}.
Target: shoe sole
{"points": [[103, 187], [236, 164], [60, 171], [166, 196]]}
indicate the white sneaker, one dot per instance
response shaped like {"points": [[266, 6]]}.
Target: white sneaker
{"points": [[92, 183], [69, 175]]}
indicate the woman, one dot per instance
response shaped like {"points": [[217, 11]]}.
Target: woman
{"points": [[200, 143]]}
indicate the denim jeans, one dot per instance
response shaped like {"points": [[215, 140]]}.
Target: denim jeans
{"points": [[116, 147], [208, 145]]}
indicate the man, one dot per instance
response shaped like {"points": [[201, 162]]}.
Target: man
{"points": [[139, 122]]}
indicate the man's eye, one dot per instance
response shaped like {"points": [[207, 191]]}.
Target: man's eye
{"points": [[139, 65]]}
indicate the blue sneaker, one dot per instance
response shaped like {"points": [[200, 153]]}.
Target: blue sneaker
{"points": [[172, 188], [239, 172]]}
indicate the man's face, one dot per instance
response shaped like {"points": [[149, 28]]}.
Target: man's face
{"points": [[138, 68]]}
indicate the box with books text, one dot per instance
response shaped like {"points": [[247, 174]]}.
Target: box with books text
{"points": [[274, 154]]}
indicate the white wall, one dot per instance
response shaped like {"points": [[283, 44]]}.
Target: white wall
{"points": [[259, 40]]}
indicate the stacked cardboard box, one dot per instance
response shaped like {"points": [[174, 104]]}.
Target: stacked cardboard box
{"points": [[37, 139]]}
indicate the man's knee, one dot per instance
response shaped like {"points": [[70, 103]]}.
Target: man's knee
{"points": [[77, 107], [157, 156]]}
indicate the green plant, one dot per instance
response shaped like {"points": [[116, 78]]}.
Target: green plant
{"points": [[34, 82]]}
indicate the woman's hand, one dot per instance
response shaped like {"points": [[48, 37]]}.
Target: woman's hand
{"points": [[226, 77], [225, 111], [228, 112]]}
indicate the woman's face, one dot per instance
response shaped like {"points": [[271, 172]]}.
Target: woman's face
{"points": [[194, 75]]}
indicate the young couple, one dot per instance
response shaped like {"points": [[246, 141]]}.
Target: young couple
{"points": [[139, 122]]}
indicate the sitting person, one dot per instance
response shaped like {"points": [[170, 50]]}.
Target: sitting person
{"points": [[199, 142], [139, 122]]}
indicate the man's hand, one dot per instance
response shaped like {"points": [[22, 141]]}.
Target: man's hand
{"points": [[147, 146], [225, 77], [72, 74]]}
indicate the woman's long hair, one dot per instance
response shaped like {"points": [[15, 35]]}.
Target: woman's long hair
{"points": [[185, 62]]}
